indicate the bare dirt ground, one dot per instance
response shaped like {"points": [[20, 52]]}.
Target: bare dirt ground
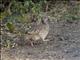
{"points": [[64, 44]]}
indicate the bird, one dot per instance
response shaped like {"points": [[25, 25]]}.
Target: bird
{"points": [[40, 31]]}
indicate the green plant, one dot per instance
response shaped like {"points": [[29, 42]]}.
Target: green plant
{"points": [[10, 27]]}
